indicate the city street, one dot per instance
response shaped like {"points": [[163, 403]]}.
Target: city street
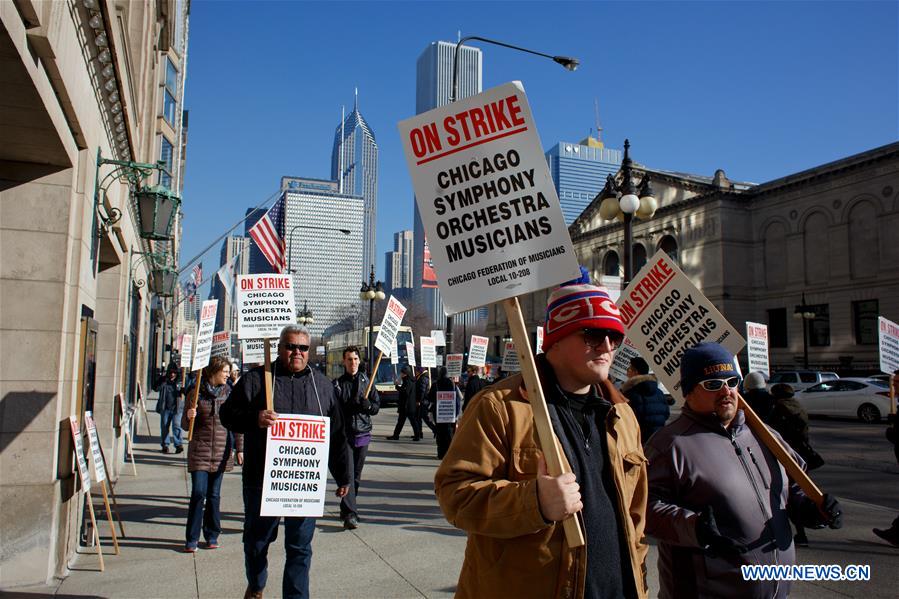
{"points": [[404, 547]]}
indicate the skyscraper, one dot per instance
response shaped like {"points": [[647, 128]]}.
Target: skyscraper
{"points": [[354, 165], [398, 264], [579, 172], [326, 264], [433, 87], [258, 264], [233, 247]]}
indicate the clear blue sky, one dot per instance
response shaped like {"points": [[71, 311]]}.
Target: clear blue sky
{"points": [[759, 89]]}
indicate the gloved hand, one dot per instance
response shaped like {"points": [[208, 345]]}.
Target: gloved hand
{"points": [[829, 514], [712, 541]]}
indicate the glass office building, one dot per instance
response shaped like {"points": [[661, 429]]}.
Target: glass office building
{"points": [[579, 172]]}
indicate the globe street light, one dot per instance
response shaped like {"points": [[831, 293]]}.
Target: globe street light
{"points": [[372, 291], [566, 61], [305, 317], [625, 202], [804, 313]]}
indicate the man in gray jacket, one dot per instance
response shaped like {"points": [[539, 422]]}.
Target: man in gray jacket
{"points": [[718, 498]]}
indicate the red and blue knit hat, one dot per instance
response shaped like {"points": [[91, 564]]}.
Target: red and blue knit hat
{"points": [[577, 305]]}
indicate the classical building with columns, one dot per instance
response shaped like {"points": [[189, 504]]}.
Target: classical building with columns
{"points": [[823, 239], [91, 127]]}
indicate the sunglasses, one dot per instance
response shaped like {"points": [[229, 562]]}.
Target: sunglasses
{"points": [[716, 384], [596, 338], [291, 347]]}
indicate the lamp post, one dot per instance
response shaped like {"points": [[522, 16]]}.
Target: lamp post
{"points": [[802, 312], [371, 291], [623, 202], [305, 317], [569, 63]]}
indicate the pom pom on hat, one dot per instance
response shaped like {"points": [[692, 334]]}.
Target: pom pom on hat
{"points": [[577, 305]]}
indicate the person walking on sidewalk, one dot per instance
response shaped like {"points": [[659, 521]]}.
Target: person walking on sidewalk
{"points": [[209, 455], [444, 430], [168, 406], [406, 406], [425, 407], [297, 389], [473, 386], [357, 409], [645, 398]]}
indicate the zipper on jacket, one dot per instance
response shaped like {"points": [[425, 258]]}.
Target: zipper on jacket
{"points": [[755, 486], [762, 476]]}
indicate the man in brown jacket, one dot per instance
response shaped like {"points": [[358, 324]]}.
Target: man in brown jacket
{"points": [[493, 482]]}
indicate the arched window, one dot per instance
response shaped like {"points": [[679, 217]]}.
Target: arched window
{"points": [[816, 245], [864, 247], [669, 245], [638, 257], [775, 256], [611, 265]]}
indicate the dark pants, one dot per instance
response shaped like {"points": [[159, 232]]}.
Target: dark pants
{"points": [[260, 531], [169, 419], [205, 492], [444, 434], [348, 503], [424, 414], [413, 420]]}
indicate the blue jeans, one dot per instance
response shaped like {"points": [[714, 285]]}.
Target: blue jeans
{"points": [[205, 490], [169, 419], [259, 532]]}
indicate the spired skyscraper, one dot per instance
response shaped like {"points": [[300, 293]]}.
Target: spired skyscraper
{"points": [[433, 87], [354, 165]]}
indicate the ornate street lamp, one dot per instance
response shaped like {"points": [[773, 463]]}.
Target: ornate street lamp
{"points": [[156, 209], [372, 291], [804, 313], [624, 203], [305, 317], [163, 281]]}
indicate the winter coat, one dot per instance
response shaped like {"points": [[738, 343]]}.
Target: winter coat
{"points": [[169, 391], [472, 388], [406, 396], [422, 387], [790, 419], [695, 463], [761, 403], [357, 410], [444, 384], [304, 392], [486, 486], [211, 448], [648, 403]]}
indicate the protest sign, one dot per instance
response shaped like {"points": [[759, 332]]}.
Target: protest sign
{"points": [[510, 358], [410, 353], [454, 365], [296, 466], [446, 407], [265, 305], [96, 455], [204, 334], [757, 348], [489, 207], [623, 356], [477, 352], [395, 352], [187, 348], [253, 351], [428, 352], [83, 473], [439, 339], [889, 345], [221, 344], [320, 350], [665, 314], [390, 325], [539, 344]]}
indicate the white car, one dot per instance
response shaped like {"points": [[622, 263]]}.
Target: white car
{"points": [[866, 398], [800, 380]]}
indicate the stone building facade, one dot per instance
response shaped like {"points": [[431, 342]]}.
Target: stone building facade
{"points": [[83, 81], [827, 234]]}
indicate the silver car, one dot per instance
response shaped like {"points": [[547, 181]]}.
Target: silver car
{"points": [[801, 379], [866, 398]]}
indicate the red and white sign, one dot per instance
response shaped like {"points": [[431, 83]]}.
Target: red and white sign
{"points": [[221, 344], [265, 305], [296, 466], [390, 325], [446, 407], [428, 352], [96, 453], [204, 334], [410, 353], [79, 454], [889, 345], [757, 348], [510, 358], [477, 351], [454, 366], [187, 348], [490, 210]]}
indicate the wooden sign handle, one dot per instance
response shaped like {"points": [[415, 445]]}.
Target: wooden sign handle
{"points": [[794, 471], [269, 400], [551, 450], [90, 508], [371, 375], [194, 401]]}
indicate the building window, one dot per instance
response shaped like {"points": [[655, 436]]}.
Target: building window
{"points": [[171, 77], [777, 327], [864, 321], [169, 108], [669, 245], [819, 326], [639, 258], [166, 154], [611, 266]]}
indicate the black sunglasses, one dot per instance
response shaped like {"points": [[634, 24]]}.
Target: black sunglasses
{"points": [[595, 338], [716, 384], [296, 347]]}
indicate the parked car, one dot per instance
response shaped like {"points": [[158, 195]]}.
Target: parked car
{"points": [[801, 379], [866, 398]]}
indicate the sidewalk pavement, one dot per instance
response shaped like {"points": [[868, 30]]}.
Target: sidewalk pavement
{"points": [[404, 548]]}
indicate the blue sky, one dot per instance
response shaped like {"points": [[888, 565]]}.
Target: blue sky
{"points": [[759, 89]]}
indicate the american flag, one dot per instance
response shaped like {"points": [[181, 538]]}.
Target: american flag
{"points": [[227, 274], [267, 235], [197, 274]]}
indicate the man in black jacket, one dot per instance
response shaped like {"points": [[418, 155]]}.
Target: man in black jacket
{"points": [[296, 389], [473, 386], [357, 409], [167, 406], [407, 406]]}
